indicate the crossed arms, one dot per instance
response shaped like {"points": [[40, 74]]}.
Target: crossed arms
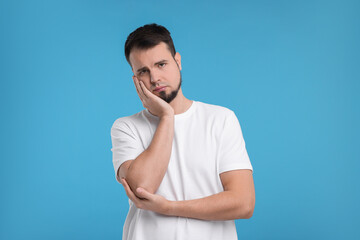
{"points": [[142, 176]]}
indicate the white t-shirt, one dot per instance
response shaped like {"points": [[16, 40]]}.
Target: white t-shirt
{"points": [[207, 141]]}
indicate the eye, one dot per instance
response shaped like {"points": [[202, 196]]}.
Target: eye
{"points": [[142, 72], [162, 64]]}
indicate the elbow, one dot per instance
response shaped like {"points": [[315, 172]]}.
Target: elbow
{"points": [[143, 185], [248, 212], [248, 206], [245, 211], [135, 181]]}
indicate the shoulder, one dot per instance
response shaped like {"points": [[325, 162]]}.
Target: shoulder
{"points": [[212, 110], [129, 122]]}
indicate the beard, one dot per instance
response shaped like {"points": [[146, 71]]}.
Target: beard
{"points": [[169, 97]]}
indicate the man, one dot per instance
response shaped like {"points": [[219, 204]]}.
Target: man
{"points": [[183, 163]]}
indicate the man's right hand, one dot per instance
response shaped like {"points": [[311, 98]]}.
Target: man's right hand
{"points": [[153, 103]]}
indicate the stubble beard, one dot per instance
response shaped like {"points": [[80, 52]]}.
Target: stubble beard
{"points": [[169, 97]]}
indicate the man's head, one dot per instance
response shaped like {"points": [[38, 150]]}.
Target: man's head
{"points": [[151, 54]]}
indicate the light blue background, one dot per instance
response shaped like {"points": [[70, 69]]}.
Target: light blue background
{"points": [[288, 69]]}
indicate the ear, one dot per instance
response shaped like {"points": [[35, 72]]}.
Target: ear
{"points": [[178, 59]]}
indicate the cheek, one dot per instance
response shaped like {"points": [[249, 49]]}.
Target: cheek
{"points": [[145, 80], [177, 74], [173, 72], [147, 85]]}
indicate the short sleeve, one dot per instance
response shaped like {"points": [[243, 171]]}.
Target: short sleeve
{"points": [[125, 145], [232, 151]]}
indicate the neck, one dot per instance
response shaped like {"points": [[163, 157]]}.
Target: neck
{"points": [[180, 104]]}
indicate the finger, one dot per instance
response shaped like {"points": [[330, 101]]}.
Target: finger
{"points": [[126, 185], [138, 88], [141, 91], [128, 191], [144, 89], [143, 193]]}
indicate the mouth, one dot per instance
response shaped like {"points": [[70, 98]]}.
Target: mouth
{"points": [[159, 89]]}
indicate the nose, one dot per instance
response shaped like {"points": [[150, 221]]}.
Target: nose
{"points": [[154, 76]]}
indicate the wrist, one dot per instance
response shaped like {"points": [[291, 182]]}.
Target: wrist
{"points": [[168, 113], [167, 116], [170, 209]]}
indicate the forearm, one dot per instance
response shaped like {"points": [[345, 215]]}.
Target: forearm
{"points": [[149, 168], [225, 205]]}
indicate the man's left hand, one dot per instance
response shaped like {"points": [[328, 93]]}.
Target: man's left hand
{"points": [[148, 201]]}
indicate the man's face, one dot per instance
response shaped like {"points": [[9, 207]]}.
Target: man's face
{"points": [[156, 68]]}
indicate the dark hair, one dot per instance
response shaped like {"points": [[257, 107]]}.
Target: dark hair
{"points": [[148, 36]]}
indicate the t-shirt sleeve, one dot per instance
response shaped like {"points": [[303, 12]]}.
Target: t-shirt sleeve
{"points": [[125, 145], [232, 152]]}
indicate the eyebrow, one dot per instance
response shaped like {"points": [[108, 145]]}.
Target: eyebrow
{"points": [[159, 62]]}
